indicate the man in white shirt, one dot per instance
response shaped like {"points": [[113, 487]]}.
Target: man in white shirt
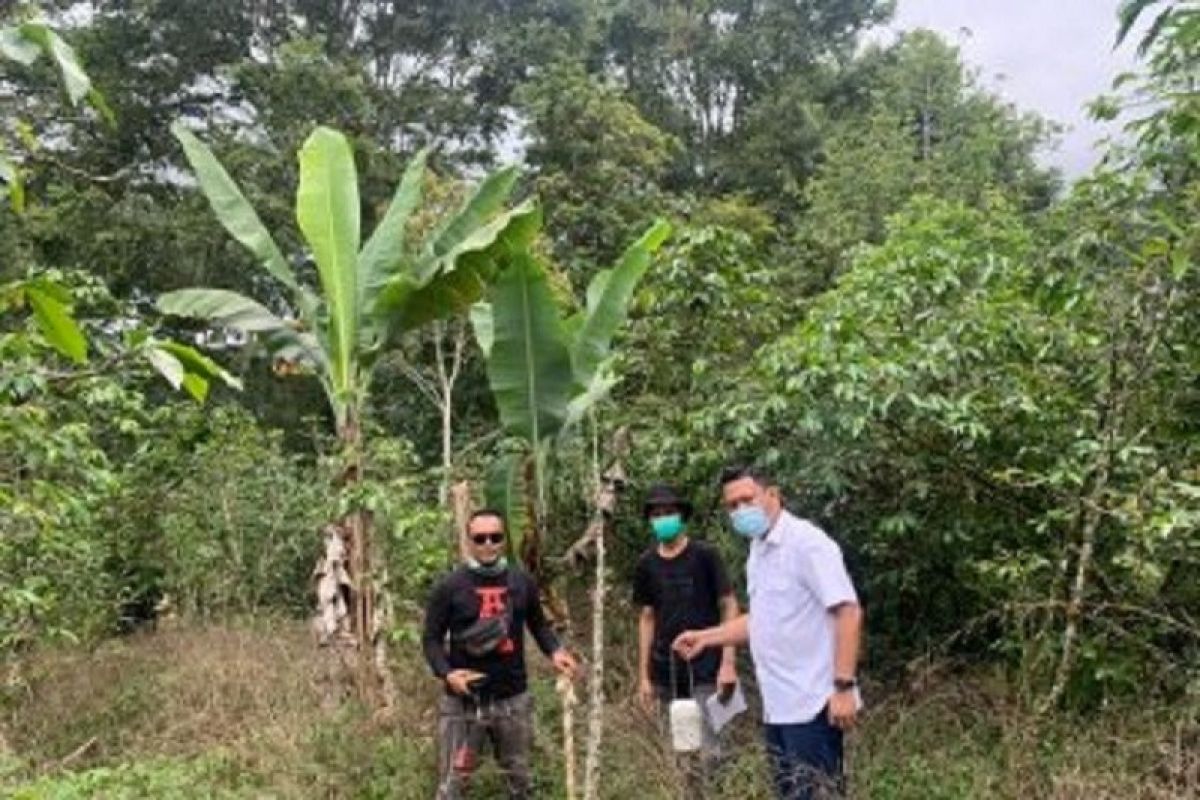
{"points": [[804, 627]]}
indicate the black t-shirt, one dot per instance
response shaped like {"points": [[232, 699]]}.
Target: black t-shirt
{"points": [[462, 598], [685, 593]]}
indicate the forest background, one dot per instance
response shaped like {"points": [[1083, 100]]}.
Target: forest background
{"points": [[982, 380]]}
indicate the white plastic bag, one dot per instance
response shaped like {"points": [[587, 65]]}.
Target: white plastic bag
{"points": [[687, 725]]}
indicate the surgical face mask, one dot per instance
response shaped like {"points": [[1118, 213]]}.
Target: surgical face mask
{"points": [[667, 528], [750, 521]]}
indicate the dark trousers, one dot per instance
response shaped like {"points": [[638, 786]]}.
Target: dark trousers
{"points": [[466, 728], [806, 759]]}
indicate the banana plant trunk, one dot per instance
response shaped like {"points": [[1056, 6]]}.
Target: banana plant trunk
{"points": [[372, 676], [350, 618], [359, 528], [531, 541]]}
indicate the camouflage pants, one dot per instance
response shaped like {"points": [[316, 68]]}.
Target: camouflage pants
{"points": [[465, 728], [698, 769]]}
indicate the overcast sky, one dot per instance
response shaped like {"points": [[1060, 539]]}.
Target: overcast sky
{"points": [[1049, 56]]}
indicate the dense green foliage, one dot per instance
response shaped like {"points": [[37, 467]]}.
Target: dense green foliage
{"points": [[981, 379]]}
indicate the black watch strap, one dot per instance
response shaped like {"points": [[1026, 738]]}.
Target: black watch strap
{"points": [[844, 684]]}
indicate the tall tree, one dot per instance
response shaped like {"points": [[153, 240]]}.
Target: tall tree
{"points": [[597, 165], [925, 126], [720, 73]]}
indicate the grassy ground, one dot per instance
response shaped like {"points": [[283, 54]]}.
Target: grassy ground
{"points": [[233, 712]]}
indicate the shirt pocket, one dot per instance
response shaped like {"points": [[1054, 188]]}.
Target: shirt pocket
{"points": [[768, 577], [771, 589], [776, 587]]}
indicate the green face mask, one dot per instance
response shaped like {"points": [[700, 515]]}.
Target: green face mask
{"points": [[667, 528]]}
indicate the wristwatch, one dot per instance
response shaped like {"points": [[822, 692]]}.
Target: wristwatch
{"points": [[844, 684]]}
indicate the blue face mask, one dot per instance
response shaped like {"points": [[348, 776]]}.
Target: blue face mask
{"points": [[750, 521], [668, 528]]}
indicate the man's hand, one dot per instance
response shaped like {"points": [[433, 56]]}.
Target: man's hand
{"points": [[843, 710], [690, 644], [460, 680], [646, 694], [565, 663], [727, 679]]}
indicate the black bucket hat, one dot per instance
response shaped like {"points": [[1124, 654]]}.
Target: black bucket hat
{"points": [[662, 495]]}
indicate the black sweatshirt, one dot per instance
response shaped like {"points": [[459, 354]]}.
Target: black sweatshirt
{"points": [[462, 598]]}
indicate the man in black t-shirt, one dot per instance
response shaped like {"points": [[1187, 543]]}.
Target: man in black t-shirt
{"points": [[483, 607], [680, 584]]}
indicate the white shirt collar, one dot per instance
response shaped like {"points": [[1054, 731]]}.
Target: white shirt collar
{"points": [[775, 535]]}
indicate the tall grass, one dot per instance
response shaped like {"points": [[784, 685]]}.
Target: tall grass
{"points": [[233, 711]]}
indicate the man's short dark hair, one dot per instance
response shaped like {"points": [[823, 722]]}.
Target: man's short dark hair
{"points": [[735, 472], [487, 512]]}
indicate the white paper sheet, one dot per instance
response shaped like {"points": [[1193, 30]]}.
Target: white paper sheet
{"points": [[719, 714]]}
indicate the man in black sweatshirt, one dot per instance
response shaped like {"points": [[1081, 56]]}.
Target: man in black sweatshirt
{"points": [[474, 642]]}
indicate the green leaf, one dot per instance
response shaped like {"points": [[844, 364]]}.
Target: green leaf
{"points": [[507, 232], [233, 310], [608, 302], [602, 384], [595, 292], [506, 491], [481, 323], [232, 208], [51, 289], [230, 309], [1180, 265], [56, 323], [573, 324], [1127, 15], [1155, 30], [186, 368], [166, 365], [196, 386], [197, 364], [406, 306], [74, 79], [530, 365], [487, 200], [16, 188], [383, 253], [97, 101], [460, 280], [328, 213], [14, 46]]}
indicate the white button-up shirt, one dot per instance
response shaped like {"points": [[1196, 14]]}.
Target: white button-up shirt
{"points": [[796, 575]]}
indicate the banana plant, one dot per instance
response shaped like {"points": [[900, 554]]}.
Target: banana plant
{"points": [[369, 294], [547, 371]]}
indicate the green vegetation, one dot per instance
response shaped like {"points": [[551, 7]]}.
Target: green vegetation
{"points": [[229, 712], [738, 233]]}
